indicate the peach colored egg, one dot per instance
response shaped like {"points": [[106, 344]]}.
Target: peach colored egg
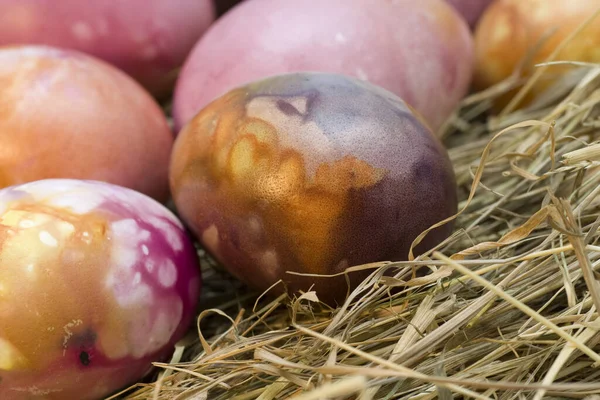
{"points": [[310, 173], [148, 39], [64, 114], [419, 50], [510, 33], [96, 282], [471, 10]]}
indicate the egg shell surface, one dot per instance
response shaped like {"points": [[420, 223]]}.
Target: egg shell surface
{"points": [[68, 115], [96, 282], [421, 51], [310, 173]]}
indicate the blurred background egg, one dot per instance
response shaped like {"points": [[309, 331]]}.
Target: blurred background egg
{"points": [[148, 39], [419, 50], [518, 34], [313, 173], [67, 115], [96, 282], [471, 10]]}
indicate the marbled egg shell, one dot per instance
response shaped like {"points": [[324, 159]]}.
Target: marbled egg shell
{"points": [[64, 114], [96, 282], [310, 172], [148, 39], [419, 50]]}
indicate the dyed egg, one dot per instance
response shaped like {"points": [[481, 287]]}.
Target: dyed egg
{"points": [[96, 282], [312, 173], [511, 30], [68, 115], [419, 50], [471, 10], [148, 39]]}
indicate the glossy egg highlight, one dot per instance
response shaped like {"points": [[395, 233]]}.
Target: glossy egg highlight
{"points": [[64, 114], [148, 39], [419, 50], [516, 34], [96, 282], [311, 173]]}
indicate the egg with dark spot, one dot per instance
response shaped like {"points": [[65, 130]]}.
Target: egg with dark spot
{"points": [[97, 281], [311, 173]]}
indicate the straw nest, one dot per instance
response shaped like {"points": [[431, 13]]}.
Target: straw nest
{"points": [[508, 309]]}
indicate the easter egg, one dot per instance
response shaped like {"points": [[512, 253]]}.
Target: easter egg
{"points": [[515, 35], [419, 50], [96, 282], [68, 115], [310, 173], [148, 39], [471, 10]]}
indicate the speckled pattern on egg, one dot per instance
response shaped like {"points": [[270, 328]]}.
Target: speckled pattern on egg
{"points": [[310, 172], [96, 281]]}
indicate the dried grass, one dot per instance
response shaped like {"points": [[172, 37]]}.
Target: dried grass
{"points": [[508, 310]]}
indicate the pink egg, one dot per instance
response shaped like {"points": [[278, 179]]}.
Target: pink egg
{"points": [[96, 282], [419, 50], [148, 39]]}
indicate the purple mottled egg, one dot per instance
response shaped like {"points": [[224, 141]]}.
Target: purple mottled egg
{"points": [[96, 282], [311, 173]]}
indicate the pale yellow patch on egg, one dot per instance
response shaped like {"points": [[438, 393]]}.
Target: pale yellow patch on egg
{"points": [[241, 161], [501, 32], [210, 238], [10, 357]]}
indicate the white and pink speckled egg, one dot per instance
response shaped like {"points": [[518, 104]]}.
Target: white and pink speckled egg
{"points": [[96, 282]]}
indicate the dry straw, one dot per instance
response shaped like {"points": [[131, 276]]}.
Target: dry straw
{"points": [[508, 310]]}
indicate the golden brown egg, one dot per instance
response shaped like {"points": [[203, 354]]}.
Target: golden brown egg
{"points": [[511, 29], [312, 173]]}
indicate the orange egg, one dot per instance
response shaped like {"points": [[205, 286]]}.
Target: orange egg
{"points": [[511, 30], [64, 114]]}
